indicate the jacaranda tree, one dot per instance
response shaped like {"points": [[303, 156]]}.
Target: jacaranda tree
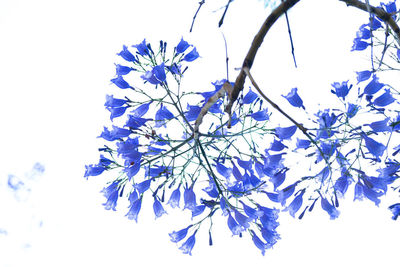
{"points": [[220, 153]]}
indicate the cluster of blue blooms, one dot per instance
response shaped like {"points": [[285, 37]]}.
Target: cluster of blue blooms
{"points": [[158, 156]]}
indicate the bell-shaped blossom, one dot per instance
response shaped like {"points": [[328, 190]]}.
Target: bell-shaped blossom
{"points": [[277, 146], [373, 86], [380, 126], [190, 199], [122, 70], [375, 24], [132, 170], [156, 75], [191, 56], [120, 82], [364, 32], [390, 8], [114, 102], [374, 147], [178, 236], [198, 210], [141, 110], [329, 208], [116, 112], [216, 108], [294, 99], [352, 110], [126, 54], [142, 48], [133, 196], [242, 219], [143, 186], [359, 45], [250, 97], [245, 164], [133, 212], [94, 170], [303, 143], [258, 243], [188, 245], [384, 99], [295, 205], [285, 193], [395, 209], [398, 54], [163, 114], [115, 133], [211, 189], [278, 178], [235, 228], [285, 132], [342, 184], [135, 123], [158, 208], [224, 171], [182, 46], [261, 115], [341, 89], [252, 213], [192, 113], [175, 198], [363, 75]]}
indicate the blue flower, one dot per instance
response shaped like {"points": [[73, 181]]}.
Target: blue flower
{"points": [[125, 54], [341, 89], [258, 243], [143, 186], [178, 236], [141, 110], [235, 228], [114, 134], [374, 147], [114, 102], [294, 99], [342, 184], [373, 86], [182, 46], [191, 56], [198, 210], [142, 48], [163, 114], [158, 208], [295, 205], [111, 193], [156, 75], [122, 70], [242, 219], [380, 126], [188, 245], [375, 24], [329, 208], [134, 122], [364, 32], [398, 54], [190, 199], [384, 99], [270, 235], [359, 45], [252, 213], [211, 189], [175, 197], [363, 75], [261, 115], [302, 143], [116, 112], [224, 171], [93, 170], [121, 83], [134, 210], [395, 209], [285, 132], [192, 113], [352, 110], [249, 97], [133, 169]]}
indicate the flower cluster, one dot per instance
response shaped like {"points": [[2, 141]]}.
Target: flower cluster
{"points": [[237, 166]]}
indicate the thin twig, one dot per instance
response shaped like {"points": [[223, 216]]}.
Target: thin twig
{"points": [[385, 46], [195, 15], [291, 39], [221, 21], [227, 58]]}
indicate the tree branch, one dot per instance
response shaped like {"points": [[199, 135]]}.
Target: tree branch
{"points": [[258, 39]]}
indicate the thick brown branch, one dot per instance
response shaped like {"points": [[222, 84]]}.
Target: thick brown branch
{"points": [[379, 12], [258, 39]]}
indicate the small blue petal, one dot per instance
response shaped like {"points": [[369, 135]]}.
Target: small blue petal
{"points": [[249, 97], [329, 208], [285, 132], [142, 48], [374, 147], [261, 115], [373, 86], [294, 98], [193, 55], [120, 82], [384, 99], [125, 54], [359, 45], [158, 208], [363, 75], [182, 46]]}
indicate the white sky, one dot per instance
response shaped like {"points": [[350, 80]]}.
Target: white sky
{"points": [[56, 61]]}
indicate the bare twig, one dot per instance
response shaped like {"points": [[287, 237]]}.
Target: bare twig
{"points": [[195, 15], [221, 21], [385, 46], [291, 39], [227, 58]]}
